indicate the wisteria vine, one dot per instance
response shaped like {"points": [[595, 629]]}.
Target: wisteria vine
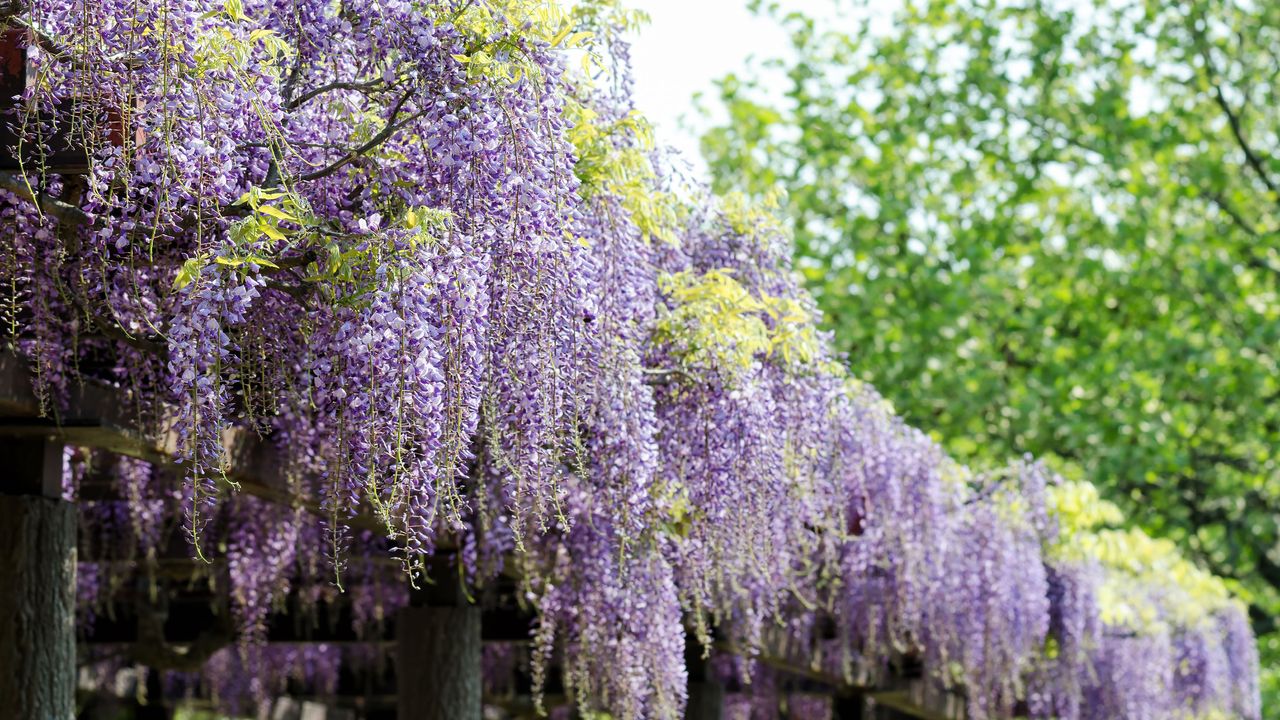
{"points": [[442, 272]]}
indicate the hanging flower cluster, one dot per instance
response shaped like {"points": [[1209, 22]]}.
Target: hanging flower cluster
{"points": [[441, 273]]}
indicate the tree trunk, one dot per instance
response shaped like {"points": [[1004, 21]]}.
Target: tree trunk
{"points": [[37, 608], [438, 663]]}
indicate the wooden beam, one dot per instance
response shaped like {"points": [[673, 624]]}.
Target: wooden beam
{"points": [[921, 698], [188, 617], [99, 416]]}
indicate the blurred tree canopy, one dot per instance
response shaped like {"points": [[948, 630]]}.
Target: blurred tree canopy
{"points": [[1050, 228]]}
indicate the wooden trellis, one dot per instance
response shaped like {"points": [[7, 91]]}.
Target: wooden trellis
{"points": [[436, 640]]}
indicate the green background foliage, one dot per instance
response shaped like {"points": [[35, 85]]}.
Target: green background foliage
{"points": [[1051, 228]]}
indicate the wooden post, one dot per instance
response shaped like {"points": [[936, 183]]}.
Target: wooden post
{"points": [[706, 695], [155, 707], [438, 666], [848, 707], [37, 584], [706, 700]]}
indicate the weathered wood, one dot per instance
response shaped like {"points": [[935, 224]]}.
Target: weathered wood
{"points": [[318, 711], [438, 648], [37, 608], [438, 663], [920, 698], [848, 707], [32, 467], [99, 416], [152, 706], [706, 694], [706, 700]]}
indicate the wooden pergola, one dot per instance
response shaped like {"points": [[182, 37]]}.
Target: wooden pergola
{"points": [[436, 641]]}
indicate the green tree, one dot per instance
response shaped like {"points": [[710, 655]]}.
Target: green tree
{"points": [[1051, 228]]}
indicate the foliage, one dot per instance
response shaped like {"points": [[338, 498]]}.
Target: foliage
{"points": [[431, 270], [1049, 228], [1189, 594], [716, 322]]}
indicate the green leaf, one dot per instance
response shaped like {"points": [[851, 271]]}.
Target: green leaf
{"points": [[271, 231], [1032, 241], [278, 213], [189, 271], [259, 260]]}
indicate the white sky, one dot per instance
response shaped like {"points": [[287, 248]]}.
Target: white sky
{"points": [[691, 43]]}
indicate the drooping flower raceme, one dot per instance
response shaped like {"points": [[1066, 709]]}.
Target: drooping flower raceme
{"points": [[442, 276]]}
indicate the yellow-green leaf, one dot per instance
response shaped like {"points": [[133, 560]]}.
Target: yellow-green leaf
{"points": [[271, 231], [276, 212]]}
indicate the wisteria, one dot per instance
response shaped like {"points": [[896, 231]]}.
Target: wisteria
{"points": [[439, 273]]}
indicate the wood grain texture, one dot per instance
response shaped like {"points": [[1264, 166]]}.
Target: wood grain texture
{"points": [[37, 608], [438, 663]]}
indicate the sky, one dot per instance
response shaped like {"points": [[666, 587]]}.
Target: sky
{"points": [[691, 43]]}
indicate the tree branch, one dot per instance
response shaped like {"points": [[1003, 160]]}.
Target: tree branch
{"points": [[65, 212], [385, 134], [1233, 118], [1250, 155], [361, 87], [113, 331], [1232, 213], [11, 9], [660, 375]]}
